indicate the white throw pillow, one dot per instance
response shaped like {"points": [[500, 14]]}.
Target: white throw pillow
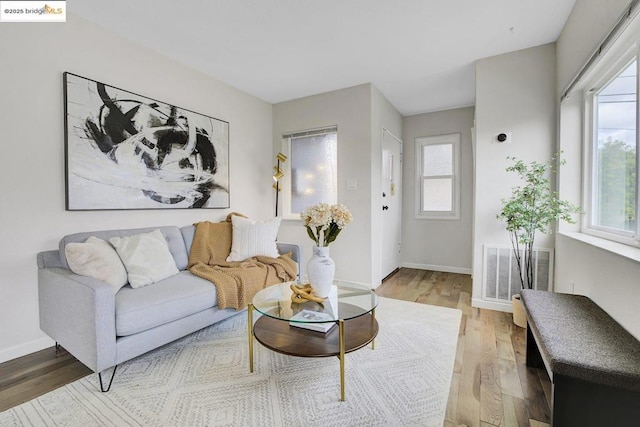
{"points": [[251, 238], [96, 258], [146, 257]]}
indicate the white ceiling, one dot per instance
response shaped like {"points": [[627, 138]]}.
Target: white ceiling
{"points": [[419, 53]]}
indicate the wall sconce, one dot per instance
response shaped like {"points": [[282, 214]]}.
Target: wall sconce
{"points": [[278, 175]]}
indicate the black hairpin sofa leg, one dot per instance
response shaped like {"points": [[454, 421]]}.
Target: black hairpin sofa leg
{"points": [[102, 389]]}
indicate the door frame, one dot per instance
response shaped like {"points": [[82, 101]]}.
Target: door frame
{"points": [[387, 132]]}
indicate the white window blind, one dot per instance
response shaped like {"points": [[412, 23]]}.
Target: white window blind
{"points": [[312, 169]]}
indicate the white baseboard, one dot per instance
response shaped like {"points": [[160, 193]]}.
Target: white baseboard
{"points": [[432, 267], [363, 284], [26, 348], [492, 305]]}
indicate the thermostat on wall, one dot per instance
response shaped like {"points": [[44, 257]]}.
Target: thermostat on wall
{"points": [[502, 138]]}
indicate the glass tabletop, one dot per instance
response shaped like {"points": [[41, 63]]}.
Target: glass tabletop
{"points": [[346, 301]]}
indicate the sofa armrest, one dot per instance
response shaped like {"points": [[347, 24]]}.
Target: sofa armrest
{"points": [[296, 253], [49, 259], [79, 313]]}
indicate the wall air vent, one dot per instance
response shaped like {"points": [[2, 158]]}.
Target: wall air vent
{"points": [[501, 272]]}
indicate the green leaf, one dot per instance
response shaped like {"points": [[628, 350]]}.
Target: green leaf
{"points": [[532, 207], [311, 235]]}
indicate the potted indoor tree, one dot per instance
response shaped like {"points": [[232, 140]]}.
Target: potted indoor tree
{"points": [[532, 207]]}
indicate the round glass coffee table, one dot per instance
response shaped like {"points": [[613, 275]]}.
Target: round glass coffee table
{"points": [[297, 329]]}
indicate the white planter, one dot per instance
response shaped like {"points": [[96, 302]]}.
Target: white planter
{"points": [[321, 270], [519, 316]]}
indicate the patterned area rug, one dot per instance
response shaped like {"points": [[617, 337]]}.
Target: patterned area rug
{"points": [[204, 380]]}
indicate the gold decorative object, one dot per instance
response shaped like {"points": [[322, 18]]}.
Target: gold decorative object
{"points": [[304, 293], [278, 175]]}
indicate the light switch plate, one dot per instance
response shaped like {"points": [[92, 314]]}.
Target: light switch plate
{"points": [[352, 185]]}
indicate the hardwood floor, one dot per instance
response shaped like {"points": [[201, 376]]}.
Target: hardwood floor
{"points": [[491, 385], [33, 375]]}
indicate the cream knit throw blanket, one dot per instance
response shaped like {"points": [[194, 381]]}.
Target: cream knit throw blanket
{"points": [[236, 282]]}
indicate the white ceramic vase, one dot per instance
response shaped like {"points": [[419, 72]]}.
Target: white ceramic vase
{"points": [[320, 271]]}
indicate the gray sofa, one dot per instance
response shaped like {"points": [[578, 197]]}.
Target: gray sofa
{"points": [[103, 330]]}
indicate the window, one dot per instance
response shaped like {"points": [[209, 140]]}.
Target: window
{"points": [[437, 177], [312, 169], [612, 116]]}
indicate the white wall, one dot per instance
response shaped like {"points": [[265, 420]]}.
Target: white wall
{"points": [[515, 92], [350, 110], [611, 280], [360, 112], [32, 217], [586, 27], [443, 245]]}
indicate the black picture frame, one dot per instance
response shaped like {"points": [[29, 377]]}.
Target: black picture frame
{"points": [[128, 151]]}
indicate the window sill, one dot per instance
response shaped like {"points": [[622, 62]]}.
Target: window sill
{"points": [[620, 249], [445, 216], [438, 218]]}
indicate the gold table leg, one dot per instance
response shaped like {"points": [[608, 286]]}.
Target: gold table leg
{"points": [[341, 326], [373, 318], [250, 327]]}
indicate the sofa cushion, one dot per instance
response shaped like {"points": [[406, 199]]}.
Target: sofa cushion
{"points": [[146, 257], [188, 233], [97, 258], [172, 235], [252, 238], [167, 300]]}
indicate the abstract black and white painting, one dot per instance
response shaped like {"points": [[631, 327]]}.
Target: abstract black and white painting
{"points": [[125, 151]]}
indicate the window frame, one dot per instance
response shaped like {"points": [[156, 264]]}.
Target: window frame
{"points": [[452, 139], [285, 183], [606, 73]]}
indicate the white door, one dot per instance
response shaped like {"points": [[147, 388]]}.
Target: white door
{"points": [[391, 203]]}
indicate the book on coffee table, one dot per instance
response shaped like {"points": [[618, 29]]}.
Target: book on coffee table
{"points": [[308, 319]]}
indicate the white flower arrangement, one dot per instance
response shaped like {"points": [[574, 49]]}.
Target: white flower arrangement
{"points": [[324, 222]]}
